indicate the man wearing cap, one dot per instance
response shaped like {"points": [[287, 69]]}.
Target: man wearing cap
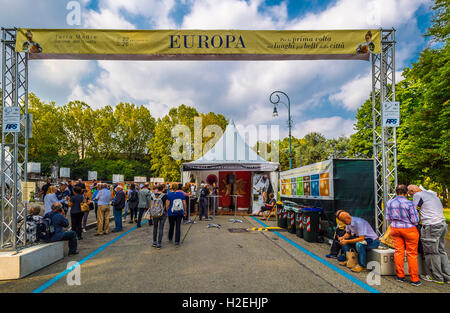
{"points": [[62, 193], [433, 232], [118, 205], [145, 197], [80, 184], [360, 234]]}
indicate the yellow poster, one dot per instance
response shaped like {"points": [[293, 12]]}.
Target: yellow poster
{"points": [[28, 190], [198, 44]]}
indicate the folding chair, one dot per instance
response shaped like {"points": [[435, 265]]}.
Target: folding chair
{"points": [[274, 212]]}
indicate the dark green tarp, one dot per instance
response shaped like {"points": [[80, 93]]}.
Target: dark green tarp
{"points": [[353, 185]]}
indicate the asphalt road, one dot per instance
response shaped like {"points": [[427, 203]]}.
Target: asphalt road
{"points": [[208, 260]]}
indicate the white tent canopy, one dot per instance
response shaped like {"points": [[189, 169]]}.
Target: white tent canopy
{"points": [[231, 153]]}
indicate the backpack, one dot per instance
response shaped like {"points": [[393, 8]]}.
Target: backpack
{"points": [[157, 209], [177, 206], [133, 196], [44, 229]]}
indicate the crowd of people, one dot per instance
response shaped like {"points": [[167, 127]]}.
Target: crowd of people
{"points": [[416, 225], [155, 203]]}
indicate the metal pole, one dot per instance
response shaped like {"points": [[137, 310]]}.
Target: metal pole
{"points": [[290, 124], [2, 177], [275, 102]]}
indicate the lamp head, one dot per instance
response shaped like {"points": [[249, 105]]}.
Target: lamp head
{"points": [[275, 112]]}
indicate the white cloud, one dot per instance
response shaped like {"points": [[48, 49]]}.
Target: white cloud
{"points": [[234, 14], [351, 14], [106, 19], [110, 14], [60, 73], [353, 94], [330, 127]]}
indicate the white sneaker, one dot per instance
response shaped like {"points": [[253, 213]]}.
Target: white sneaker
{"points": [[84, 230], [431, 279]]}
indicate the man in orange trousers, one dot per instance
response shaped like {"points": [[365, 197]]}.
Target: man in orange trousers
{"points": [[404, 218]]}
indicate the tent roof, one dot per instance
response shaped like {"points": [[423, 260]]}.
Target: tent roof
{"points": [[231, 152]]}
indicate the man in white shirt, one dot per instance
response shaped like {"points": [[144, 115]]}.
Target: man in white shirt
{"points": [[104, 199], [434, 229], [360, 234]]}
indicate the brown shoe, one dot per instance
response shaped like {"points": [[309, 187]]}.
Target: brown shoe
{"points": [[358, 269], [343, 263]]}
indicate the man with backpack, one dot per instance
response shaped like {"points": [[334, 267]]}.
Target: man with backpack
{"points": [[145, 197], [51, 228], [158, 213]]}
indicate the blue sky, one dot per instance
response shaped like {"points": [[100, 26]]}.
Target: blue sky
{"points": [[324, 94]]}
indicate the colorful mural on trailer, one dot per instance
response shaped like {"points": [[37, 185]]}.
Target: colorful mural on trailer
{"points": [[313, 181]]}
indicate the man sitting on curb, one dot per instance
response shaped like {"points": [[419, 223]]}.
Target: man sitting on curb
{"points": [[59, 222], [362, 236]]}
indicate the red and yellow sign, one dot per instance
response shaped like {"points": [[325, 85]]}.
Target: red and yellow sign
{"points": [[198, 44]]}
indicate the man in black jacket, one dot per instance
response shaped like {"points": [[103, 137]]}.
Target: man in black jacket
{"points": [[59, 222], [118, 205]]}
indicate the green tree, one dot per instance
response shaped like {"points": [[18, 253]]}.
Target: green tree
{"points": [[162, 163], [440, 27], [338, 148], [135, 126], [48, 133], [79, 122]]}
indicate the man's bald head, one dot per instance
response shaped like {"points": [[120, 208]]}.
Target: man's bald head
{"points": [[412, 189]]}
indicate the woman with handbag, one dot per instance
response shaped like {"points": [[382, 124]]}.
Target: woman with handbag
{"points": [[76, 215]]}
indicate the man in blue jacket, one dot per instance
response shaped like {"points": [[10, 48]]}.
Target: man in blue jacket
{"points": [[59, 222], [118, 205]]}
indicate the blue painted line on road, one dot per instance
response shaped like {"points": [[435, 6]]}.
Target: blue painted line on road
{"points": [[67, 271], [324, 262]]}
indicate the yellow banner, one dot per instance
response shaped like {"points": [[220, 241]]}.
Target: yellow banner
{"points": [[197, 44]]}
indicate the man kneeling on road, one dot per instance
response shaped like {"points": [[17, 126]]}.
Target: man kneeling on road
{"points": [[59, 222], [360, 234]]}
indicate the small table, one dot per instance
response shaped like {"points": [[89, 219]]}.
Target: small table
{"points": [[235, 220], [187, 220], [214, 211]]}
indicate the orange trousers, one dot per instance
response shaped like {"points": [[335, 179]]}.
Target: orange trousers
{"points": [[406, 239]]}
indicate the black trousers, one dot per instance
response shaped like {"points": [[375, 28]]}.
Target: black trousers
{"points": [[133, 212], [336, 246], [76, 219], [175, 224], [203, 208]]}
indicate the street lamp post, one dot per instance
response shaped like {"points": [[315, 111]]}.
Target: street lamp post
{"points": [[275, 95]]}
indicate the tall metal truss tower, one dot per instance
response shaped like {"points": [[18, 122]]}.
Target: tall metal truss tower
{"points": [[14, 145], [384, 138]]}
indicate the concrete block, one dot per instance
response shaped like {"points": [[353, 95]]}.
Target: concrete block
{"points": [[29, 260], [386, 259]]}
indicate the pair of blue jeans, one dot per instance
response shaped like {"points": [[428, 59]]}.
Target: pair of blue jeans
{"points": [[118, 219], [362, 249], [71, 237], [158, 228]]}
